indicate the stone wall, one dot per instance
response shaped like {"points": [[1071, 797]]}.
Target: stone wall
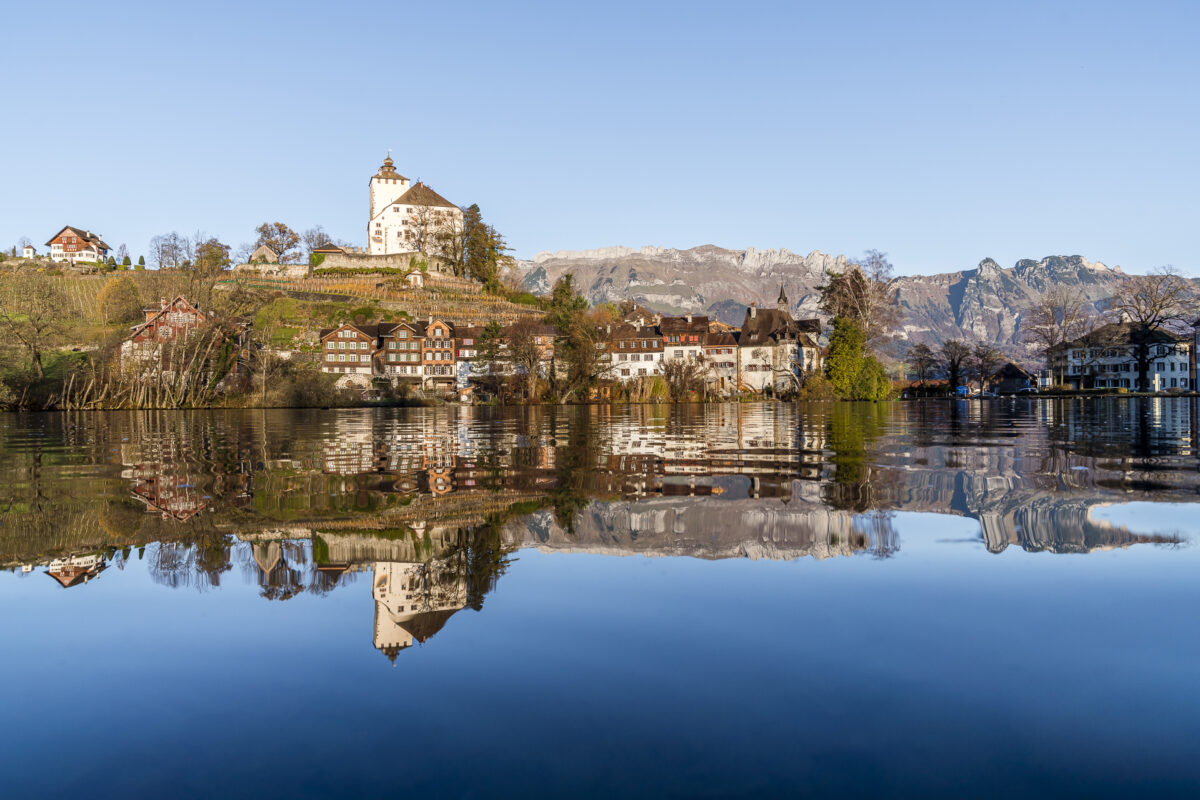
{"points": [[365, 261]]}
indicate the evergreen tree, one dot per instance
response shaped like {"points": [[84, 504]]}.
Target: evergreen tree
{"points": [[141, 262], [845, 359], [872, 381]]}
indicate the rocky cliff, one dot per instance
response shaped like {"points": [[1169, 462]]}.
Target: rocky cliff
{"points": [[982, 304]]}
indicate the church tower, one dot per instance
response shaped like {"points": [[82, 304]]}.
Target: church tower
{"points": [[386, 186], [782, 302]]}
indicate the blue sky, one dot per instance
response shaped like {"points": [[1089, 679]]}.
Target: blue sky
{"points": [[941, 133]]}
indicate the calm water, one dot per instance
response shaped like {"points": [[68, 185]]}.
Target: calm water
{"points": [[920, 600]]}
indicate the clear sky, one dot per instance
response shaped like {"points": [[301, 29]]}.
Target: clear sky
{"points": [[939, 132]]}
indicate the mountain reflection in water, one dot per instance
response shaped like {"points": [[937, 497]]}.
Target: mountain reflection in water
{"points": [[955, 599], [431, 503]]}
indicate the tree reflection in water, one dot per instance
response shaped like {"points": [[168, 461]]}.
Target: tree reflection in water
{"points": [[304, 502]]}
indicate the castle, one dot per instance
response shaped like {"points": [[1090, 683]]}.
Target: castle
{"points": [[407, 217]]}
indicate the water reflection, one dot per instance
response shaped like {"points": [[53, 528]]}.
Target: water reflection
{"points": [[431, 502]]}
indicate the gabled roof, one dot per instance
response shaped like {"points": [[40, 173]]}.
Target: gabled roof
{"points": [[698, 325], [86, 236], [421, 195], [329, 248], [426, 624], [1011, 370], [1119, 333], [155, 314], [720, 339], [72, 575], [370, 331]]}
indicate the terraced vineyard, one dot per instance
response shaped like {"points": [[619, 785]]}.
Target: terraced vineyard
{"points": [[452, 298]]}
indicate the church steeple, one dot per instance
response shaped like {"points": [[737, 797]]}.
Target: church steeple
{"points": [[782, 302]]}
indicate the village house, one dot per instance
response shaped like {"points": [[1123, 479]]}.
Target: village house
{"points": [[720, 361], [28, 251], [775, 350], [264, 255], [400, 360], [683, 337], [350, 350], [169, 321], [152, 342], [76, 570], [421, 354], [1012, 378], [74, 245], [637, 351], [438, 355], [467, 354], [1107, 359]]}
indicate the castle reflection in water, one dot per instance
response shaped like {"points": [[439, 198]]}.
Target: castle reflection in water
{"points": [[430, 503]]}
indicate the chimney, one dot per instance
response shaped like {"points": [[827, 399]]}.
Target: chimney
{"points": [[753, 310], [162, 302], [689, 319], [641, 322]]}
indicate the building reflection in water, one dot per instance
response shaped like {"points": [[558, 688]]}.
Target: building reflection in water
{"points": [[430, 503]]}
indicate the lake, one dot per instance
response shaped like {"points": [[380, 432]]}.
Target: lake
{"points": [[924, 599]]}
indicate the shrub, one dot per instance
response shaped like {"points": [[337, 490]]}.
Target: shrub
{"points": [[816, 387]]}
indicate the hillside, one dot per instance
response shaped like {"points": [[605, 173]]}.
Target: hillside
{"points": [[981, 304]]}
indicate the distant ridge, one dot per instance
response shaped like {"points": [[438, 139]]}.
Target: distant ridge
{"points": [[985, 303]]}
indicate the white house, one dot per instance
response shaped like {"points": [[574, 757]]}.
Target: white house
{"points": [[637, 351], [28, 251], [407, 217], [74, 244], [1107, 359], [774, 349]]}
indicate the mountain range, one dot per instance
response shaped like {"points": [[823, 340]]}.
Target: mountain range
{"points": [[984, 304]]}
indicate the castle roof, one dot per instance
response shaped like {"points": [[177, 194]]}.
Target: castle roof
{"points": [[86, 236], [388, 170], [421, 195]]}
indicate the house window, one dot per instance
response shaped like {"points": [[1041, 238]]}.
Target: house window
{"points": [[362, 345], [330, 345], [341, 356]]}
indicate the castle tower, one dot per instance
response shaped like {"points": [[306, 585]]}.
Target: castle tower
{"points": [[386, 186], [782, 302]]}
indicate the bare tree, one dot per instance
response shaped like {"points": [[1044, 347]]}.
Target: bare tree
{"points": [[922, 361], [242, 253], [683, 376], [311, 239], [210, 258], [430, 229], [167, 250], [1062, 315], [1151, 304], [35, 311], [865, 294], [953, 359], [985, 360], [525, 354]]}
